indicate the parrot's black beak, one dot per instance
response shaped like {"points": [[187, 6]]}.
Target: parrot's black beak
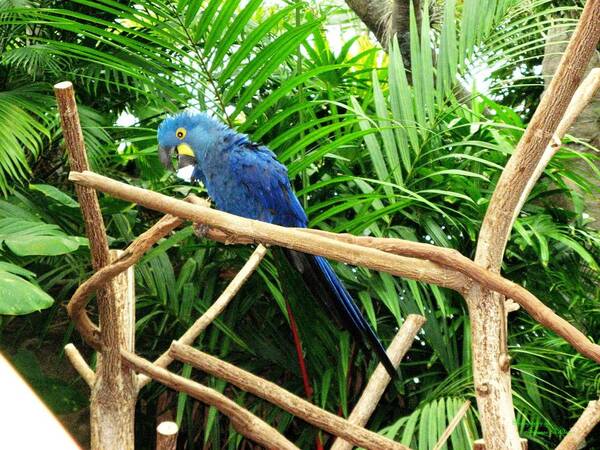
{"points": [[168, 154]]}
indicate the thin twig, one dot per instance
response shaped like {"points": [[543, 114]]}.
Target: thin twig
{"points": [[79, 364], [584, 426], [380, 379], [289, 402], [452, 425], [363, 252], [242, 420], [214, 310]]}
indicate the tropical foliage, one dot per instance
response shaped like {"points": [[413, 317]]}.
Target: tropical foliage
{"points": [[368, 152]]}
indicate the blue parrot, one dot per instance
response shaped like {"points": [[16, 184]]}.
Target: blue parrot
{"points": [[245, 179]]}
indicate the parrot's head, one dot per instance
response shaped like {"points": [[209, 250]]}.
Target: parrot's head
{"points": [[186, 138]]}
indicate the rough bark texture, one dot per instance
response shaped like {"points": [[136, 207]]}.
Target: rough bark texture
{"points": [[385, 19], [584, 426], [112, 403], [586, 127], [491, 368], [289, 402], [114, 393]]}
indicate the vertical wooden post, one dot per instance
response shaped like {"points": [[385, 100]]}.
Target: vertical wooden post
{"points": [[112, 403], [491, 363], [166, 436]]}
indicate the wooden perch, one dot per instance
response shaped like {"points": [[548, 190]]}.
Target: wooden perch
{"points": [[80, 365], [362, 253], [380, 379], [491, 368], [214, 310], [242, 420], [584, 426], [129, 257], [114, 392], [289, 402]]}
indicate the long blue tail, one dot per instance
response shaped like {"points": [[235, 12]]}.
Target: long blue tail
{"points": [[325, 285]]}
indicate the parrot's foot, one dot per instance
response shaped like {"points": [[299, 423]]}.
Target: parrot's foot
{"points": [[201, 230]]}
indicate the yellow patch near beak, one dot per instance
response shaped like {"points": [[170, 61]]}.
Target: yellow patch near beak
{"points": [[184, 149]]}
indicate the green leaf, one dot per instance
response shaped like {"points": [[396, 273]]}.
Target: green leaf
{"points": [[54, 193], [42, 245], [18, 296]]}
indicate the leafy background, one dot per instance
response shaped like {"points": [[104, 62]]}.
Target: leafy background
{"points": [[372, 148]]}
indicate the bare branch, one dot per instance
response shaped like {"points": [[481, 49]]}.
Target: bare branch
{"points": [[90, 209], [289, 402], [452, 425], [491, 368], [242, 420], [584, 426], [356, 251], [215, 309], [380, 379], [166, 436], [580, 100], [79, 364], [266, 233]]}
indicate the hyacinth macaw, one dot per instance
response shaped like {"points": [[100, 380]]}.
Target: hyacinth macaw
{"points": [[245, 179]]}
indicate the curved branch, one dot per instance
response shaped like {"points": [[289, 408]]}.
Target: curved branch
{"points": [[366, 254]]}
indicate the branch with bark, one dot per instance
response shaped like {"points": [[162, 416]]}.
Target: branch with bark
{"points": [[362, 252]]}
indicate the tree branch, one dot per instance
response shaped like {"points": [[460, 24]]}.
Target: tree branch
{"points": [[79, 364], [584, 426], [361, 252], [491, 368], [242, 420], [289, 402], [215, 309], [380, 379]]}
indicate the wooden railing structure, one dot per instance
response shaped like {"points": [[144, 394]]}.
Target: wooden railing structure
{"points": [[120, 373]]}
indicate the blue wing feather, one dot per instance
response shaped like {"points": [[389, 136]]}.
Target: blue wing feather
{"points": [[248, 181]]}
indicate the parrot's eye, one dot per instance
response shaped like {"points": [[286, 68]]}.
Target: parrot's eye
{"points": [[180, 133]]}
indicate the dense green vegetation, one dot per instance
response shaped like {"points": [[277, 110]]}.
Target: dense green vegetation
{"points": [[368, 153]]}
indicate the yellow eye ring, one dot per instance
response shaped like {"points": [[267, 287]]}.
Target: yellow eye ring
{"points": [[180, 133]]}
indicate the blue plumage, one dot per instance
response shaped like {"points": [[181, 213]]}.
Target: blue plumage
{"points": [[246, 179]]}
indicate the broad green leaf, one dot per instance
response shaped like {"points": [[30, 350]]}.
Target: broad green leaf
{"points": [[18, 296]]}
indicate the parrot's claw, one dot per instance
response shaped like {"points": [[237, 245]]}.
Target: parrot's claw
{"points": [[201, 230]]}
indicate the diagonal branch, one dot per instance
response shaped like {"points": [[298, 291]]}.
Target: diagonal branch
{"points": [[242, 420], [380, 379], [491, 368], [289, 402], [215, 309], [584, 426]]}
